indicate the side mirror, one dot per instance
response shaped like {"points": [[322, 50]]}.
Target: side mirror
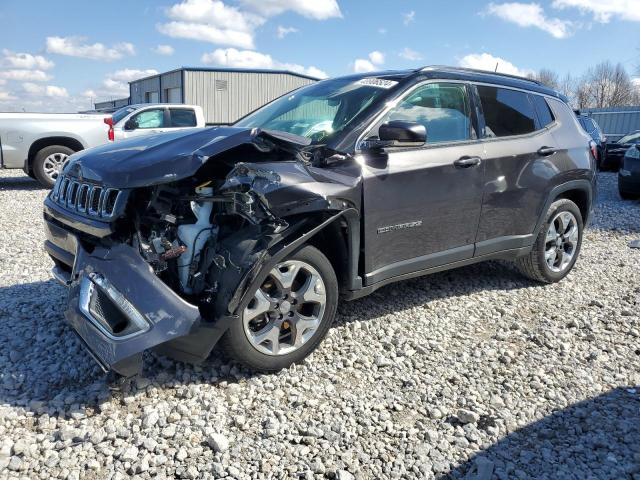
{"points": [[397, 133], [403, 133], [130, 124]]}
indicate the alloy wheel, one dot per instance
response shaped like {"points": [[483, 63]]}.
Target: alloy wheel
{"points": [[561, 241], [53, 164], [287, 309]]}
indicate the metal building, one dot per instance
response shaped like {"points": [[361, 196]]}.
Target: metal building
{"points": [[225, 94], [108, 104], [615, 122]]}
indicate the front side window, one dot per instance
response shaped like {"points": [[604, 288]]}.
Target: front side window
{"points": [[320, 110], [443, 109], [149, 119], [506, 112], [182, 117]]}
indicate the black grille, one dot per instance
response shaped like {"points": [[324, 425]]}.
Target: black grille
{"points": [[86, 198]]}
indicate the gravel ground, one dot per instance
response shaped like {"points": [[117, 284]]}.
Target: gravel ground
{"points": [[474, 373]]}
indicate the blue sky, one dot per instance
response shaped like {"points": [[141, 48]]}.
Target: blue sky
{"points": [[60, 55]]}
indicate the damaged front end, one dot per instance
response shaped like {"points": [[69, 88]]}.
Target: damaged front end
{"points": [[166, 263]]}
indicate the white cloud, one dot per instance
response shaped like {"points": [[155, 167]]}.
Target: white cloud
{"points": [[231, 57], [314, 9], [51, 91], [409, 54], [604, 10], [76, 47], [25, 61], [207, 33], [486, 61], [23, 75], [284, 31], [211, 21], [166, 50], [376, 57], [6, 96], [530, 15], [375, 60], [409, 17], [116, 84]]}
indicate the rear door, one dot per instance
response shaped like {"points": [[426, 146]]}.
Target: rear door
{"points": [[518, 146]]}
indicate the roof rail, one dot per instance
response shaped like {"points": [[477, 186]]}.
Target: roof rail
{"points": [[475, 70]]}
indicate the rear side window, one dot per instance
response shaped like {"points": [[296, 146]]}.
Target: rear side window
{"points": [[542, 109], [182, 117], [506, 112]]}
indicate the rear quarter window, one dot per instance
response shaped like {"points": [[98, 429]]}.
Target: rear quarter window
{"points": [[545, 116], [506, 112]]}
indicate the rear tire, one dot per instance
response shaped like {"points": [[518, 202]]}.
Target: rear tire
{"points": [[288, 315], [48, 164], [557, 246]]}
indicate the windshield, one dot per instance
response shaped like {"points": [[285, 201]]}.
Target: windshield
{"points": [[319, 110], [123, 112], [631, 138]]}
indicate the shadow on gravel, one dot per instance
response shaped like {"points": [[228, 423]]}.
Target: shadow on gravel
{"points": [[20, 182], [482, 277], [597, 438], [43, 367]]}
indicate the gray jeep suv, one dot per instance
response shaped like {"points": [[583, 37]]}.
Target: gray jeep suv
{"points": [[250, 234]]}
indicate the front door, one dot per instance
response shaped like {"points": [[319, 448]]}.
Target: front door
{"points": [[422, 205], [147, 122]]}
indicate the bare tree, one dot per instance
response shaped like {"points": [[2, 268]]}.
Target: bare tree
{"points": [[546, 77], [606, 85]]}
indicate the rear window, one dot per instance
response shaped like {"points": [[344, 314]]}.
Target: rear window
{"points": [[545, 117], [506, 112], [183, 117]]}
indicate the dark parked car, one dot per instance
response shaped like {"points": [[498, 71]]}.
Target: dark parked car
{"points": [[616, 150], [629, 174], [595, 132], [248, 234]]}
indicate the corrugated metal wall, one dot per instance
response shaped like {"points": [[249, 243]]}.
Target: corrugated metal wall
{"points": [[228, 96], [139, 88], [170, 80], [615, 122], [120, 102]]}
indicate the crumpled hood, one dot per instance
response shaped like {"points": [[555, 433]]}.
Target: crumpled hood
{"points": [[155, 159]]}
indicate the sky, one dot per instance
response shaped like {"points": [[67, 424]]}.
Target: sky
{"points": [[63, 55]]}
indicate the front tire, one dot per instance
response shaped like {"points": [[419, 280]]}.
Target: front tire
{"points": [[557, 246], [288, 315], [48, 164]]}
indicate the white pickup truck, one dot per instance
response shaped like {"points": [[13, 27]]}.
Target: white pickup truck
{"points": [[40, 143]]}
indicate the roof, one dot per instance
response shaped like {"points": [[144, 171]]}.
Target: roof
{"points": [[224, 69], [465, 74]]}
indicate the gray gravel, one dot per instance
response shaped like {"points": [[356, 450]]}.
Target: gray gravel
{"points": [[474, 373]]}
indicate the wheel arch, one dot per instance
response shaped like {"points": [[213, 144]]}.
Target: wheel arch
{"points": [[579, 192], [69, 142]]}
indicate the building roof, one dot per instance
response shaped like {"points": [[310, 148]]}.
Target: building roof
{"points": [[225, 69]]}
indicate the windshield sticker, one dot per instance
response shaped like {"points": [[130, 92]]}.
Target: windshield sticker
{"points": [[377, 82]]}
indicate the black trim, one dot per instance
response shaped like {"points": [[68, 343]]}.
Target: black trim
{"points": [[555, 192], [503, 255], [82, 224], [499, 244], [424, 262]]}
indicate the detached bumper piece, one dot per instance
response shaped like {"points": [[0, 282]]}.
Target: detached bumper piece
{"points": [[119, 308]]}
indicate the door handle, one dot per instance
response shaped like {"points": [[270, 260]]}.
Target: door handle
{"points": [[546, 151], [467, 162]]}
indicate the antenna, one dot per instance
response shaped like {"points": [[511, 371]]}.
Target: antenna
{"points": [[496, 70]]}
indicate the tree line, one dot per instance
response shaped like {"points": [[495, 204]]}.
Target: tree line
{"points": [[604, 85]]}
